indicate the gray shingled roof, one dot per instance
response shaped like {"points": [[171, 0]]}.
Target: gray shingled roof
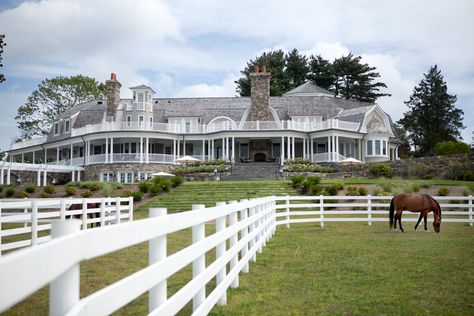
{"points": [[308, 89], [142, 86]]}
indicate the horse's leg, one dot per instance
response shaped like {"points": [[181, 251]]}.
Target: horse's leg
{"points": [[425, 218], [419, 220], [400, 221]]}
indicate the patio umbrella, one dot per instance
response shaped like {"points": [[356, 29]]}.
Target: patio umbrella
{"points": [[162, 174], [187, 159], [350, 161]]}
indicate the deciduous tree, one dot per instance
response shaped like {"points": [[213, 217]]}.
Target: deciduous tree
{"points": [[52, 98], [2, 44]]}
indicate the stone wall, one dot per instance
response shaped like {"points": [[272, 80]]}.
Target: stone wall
{"points": [[92, 172]]}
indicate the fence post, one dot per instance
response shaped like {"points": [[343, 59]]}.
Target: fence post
{"points": [[232, 242], [130, 208], [84, 214], [117, 210], [470, 210], [321, 209], [243, 233], [1, 220], [260, 223], [199, 264], [287, 211], [102, 212], [34, 222], [62, 209], [158, 294], [64, 290], [220, 251], [251, 229], [369, 209]]}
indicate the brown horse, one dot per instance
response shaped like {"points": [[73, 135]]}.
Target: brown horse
{"points": [[422, 203], [89, 215]]}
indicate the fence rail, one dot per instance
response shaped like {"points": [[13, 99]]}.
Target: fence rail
{"points": [[27, 222], [245, 226]]}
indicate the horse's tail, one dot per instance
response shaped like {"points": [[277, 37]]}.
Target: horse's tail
{"points": [[391, 213]]}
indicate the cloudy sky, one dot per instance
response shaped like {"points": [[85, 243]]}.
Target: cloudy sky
{"points": [[197, 48]]}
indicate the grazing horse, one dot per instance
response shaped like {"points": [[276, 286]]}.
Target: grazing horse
{"points": [[422, 203], [89, 215]]}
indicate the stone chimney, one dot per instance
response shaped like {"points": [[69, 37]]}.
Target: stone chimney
{"points": [[259, 94], [113, 96]]}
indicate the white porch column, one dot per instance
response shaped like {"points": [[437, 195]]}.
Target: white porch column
{"points": [[311, 150], [111, 150], [184, 146], [223, 149], [337, 148], [329, 148], [233, 150], [70, 155], [360, 150], [178, 148], [282, 151], [141, 149], [22, 157], [45, 156], [396, 153], [106, 150], [45, 178], [38, 178], [34, 158], [57, 155], [174, 150], [8, 176], [203, 149], [2, 175], [227, 149], [78, 175], [288, 148], [73, 176], [209, 150], [147, 150]]}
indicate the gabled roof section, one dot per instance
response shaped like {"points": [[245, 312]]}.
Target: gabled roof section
{"points": [[309, 89], [142, 87]]}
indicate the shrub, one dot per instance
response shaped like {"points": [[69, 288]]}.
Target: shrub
{"points": [[363, 191], [376, 191], [333, 189], [297, 181], [9, 192], [164, 183], [155, 189], [308, 183], [143, 187], [22, 195], [426, 184], [352, 190], [30, 189], [1, 188], [381, 170], [49, 189], [386, 186], [70, 190], [466, 192], [117, 186], [316, 189], [443, 191], [471, 187], [86, 194], [45, 195], [137, 195], [95, 186], [415, 187], [176, 181]]}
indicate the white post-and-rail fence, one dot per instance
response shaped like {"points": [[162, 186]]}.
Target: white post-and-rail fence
{"points": [[27, 222], [244, 226]]}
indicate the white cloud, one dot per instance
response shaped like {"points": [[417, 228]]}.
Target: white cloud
{"points": [[329, 51], [226, 89]]}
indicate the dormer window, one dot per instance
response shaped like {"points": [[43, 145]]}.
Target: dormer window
{"points": [[67, 126], [141, 101], [56, 128]]}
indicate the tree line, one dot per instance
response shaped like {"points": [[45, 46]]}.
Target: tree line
{"points": [[347, 77]]}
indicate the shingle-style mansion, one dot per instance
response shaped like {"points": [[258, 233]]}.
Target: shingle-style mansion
{"points": [[126, 139]]}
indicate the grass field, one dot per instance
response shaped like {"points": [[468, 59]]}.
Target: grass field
{"points": [[344, 268]]}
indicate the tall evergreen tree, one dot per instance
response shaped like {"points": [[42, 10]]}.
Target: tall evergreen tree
{"points": [[53, 97], [432, 116], [321, 72], [275, 61], [296, 68], [355, 81]]}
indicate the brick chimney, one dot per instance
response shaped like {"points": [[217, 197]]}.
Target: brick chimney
{"points": [[113, 96], [259, 94]]}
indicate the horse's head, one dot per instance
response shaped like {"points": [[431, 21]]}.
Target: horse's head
{"points": [[437, 225]]}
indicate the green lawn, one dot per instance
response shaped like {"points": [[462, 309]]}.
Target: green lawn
{"points": [[343, 268]]}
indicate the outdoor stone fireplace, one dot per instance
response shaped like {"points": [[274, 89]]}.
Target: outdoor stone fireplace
{"points": [[260, 150]]}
